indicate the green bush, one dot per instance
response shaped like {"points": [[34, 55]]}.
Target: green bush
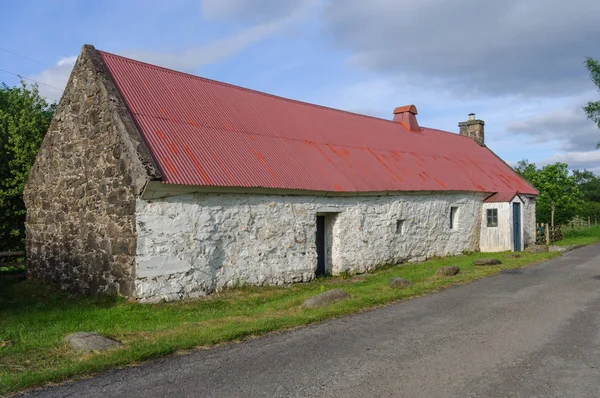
{"points": [[24, 120]]}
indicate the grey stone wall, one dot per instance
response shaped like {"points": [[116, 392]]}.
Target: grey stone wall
{"points": [[82, 189], [473, 129]]}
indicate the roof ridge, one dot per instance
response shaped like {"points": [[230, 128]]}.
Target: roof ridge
{"points": [[435, 156], [218, 82], [446, 132]]}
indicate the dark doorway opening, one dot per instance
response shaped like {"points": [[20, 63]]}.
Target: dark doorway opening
{"points": [[517, 226], [321, 246]]}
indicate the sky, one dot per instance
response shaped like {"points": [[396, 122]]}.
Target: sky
{"points": [[517, 64]]}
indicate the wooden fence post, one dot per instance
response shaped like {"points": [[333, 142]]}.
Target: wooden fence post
{"points": [[547, 234]]}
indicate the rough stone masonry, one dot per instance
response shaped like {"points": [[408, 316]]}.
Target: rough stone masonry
{"points": [[82, 189]]}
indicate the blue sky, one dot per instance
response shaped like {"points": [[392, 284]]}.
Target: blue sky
{"points": [[518, 64]]}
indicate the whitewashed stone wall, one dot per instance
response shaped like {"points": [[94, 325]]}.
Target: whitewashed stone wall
{"points": [[192, 245], [529, 221]]}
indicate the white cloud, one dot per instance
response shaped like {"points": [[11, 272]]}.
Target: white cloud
{"points": [[224, 48], [67, 61], [257, 10], [569, 127], [210, 53], [54, 79], [589, 160], [532, 47], [276, 18]]}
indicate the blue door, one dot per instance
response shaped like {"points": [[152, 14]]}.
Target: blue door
{"points": [[517, 226]]}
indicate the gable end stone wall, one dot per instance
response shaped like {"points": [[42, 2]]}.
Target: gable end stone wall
{"points": [[82, 189]]}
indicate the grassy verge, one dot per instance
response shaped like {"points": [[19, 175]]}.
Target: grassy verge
{"points": [[586, 236], [34, 321]]}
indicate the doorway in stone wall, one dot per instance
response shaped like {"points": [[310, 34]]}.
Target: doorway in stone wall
{"points": [[321, 255], [324, 242]]}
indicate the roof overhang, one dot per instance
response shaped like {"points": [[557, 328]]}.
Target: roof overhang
{"points": [[506, 197], [158, 190]]}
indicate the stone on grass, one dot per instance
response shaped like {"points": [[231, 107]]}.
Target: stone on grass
{"points": [[563, 249], [326, 298], [487, 261], [399, 283], [512, 255], [84, 342], [447, 271], [537, 249], [6, 343]]}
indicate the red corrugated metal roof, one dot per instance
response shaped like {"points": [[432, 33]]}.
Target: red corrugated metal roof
{"points": [[501, 197], [203, 132]]}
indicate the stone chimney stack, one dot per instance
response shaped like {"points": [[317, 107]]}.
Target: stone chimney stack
{"points": [[473, 128]]}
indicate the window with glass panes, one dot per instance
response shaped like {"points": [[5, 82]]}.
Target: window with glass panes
{"points": [[492, 217]]}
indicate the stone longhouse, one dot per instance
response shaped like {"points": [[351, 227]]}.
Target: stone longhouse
{"points": [[157, 184]]}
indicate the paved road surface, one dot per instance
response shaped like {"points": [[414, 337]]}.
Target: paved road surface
{"points": [[529, 333]]}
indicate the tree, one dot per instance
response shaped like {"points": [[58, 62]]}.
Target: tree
{"points": [[589, 185], [592, 109], [24, 120], [560, 197]]}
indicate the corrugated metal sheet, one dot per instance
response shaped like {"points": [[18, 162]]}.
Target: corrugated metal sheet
{"points": [[203, 132], [501, 197]]}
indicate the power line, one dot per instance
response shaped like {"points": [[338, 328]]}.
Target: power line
{"points": [[35, 81], [32, 60]]}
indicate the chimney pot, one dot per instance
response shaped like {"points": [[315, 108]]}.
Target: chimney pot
{"points": [[471, 116], [407, 108], [406, 116]]}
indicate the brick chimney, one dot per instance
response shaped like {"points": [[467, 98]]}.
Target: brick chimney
{"points": [[473, 128], [406, 116]]}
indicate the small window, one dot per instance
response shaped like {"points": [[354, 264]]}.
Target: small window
{"points": [[453, 217], [400, 227], [492, 217]]}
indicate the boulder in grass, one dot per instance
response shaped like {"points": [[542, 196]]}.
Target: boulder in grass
{"points": [[326, 298], [85, 343], [512, 255], [487, 261], [6, 343], [399, 283], [537, 249], [447, 271]]}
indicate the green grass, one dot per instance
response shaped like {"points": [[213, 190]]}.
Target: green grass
{"points": [[34, 320], [585, 236]]}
